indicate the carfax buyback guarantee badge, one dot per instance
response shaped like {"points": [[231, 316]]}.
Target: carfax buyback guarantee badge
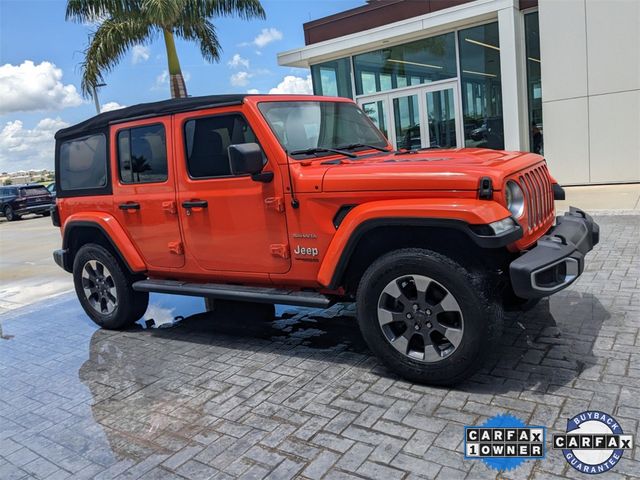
{"points": [[594, 442], [504, 442]]}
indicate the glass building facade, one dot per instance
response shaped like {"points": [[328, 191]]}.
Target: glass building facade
{"points": [[467, 73], [534, 82], [440, 91]]}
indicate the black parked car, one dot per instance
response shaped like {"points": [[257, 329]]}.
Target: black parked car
{"points": [[18, 200]]}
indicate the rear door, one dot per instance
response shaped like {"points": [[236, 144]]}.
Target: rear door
{"points": [[144, 196], [231, 223]]}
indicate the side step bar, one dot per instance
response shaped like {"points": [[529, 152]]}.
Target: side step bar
{"points": [[235, 292]]}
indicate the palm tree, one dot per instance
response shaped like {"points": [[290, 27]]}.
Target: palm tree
{"points": [[125, 23]]}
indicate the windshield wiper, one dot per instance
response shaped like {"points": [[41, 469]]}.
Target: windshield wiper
{"points": [[416, 150], [311, 151], [352, 146]]}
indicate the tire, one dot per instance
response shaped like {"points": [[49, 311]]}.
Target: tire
{"points": [[253, 311], [46, 214], [104, 289], [9, 214], [452, 323]]}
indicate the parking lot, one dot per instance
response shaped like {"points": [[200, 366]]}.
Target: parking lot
{"points": [[225, 397]]}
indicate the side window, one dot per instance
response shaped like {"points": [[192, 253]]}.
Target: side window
{"points": [[207, 140], [83, 163], [142, 154]]}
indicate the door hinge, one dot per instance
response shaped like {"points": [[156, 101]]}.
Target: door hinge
{"points": [[170, 207], [276, 202], [176, 248], [280, 250]]}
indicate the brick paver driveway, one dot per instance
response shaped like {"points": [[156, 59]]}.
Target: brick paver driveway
{"points": [[302, 397]]}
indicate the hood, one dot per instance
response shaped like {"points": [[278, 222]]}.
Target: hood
{"points": [[459, 169]]}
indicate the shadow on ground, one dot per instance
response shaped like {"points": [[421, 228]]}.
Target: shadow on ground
{"points": [[154, 389]]}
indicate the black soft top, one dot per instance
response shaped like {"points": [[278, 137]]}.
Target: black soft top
{"points": [[163, 107]]}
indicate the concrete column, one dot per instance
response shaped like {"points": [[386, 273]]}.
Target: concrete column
{"points": [[514, 78]]}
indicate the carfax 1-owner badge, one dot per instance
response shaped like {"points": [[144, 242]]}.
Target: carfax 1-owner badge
{"points": [[504, 442], [593, 443]]}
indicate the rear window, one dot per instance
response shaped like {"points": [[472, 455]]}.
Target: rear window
{"points": [[33, 191], [142, 154], [83, 163]]}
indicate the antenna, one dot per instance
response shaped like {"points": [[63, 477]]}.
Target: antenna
{"points": [[294, 201]]}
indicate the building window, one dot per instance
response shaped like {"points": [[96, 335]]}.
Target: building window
{"points": [[415, 63], [376, 111], [332, 78], [142, 154], [534, 82], [481, 86], [207, 141], [83, 163]]}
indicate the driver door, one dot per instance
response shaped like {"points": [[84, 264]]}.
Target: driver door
{"points": [[229, 222]]}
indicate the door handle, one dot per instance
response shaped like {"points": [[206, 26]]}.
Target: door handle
{"points": [[129, 206], [195, 204]]}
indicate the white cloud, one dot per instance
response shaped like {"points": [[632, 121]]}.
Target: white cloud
{"points": [[237, 61], [29, 87], [240, 79], [22, 148], [109, 106], [253, 91], [264, 38], [293, 84], [162, 80], [140, 53]]}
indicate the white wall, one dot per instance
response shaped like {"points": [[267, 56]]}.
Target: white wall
{"points": [[591, 89]]}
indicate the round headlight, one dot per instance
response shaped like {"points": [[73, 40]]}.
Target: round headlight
{"points": [[515, 198]]}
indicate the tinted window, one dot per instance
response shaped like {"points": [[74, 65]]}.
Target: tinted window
{"points": [[415, 63], [142, 154], [207, 140], [34, 191], [534, 82], [481, 86], [332, 78], [83, 163]]}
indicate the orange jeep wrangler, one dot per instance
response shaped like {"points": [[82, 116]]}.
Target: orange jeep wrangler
{"points": [[300, 200]]}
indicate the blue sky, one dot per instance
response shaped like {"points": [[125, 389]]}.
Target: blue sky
{"points": [[39, 97]]}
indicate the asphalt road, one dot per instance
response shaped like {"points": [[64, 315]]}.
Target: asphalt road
{"points": [[27, 270]]}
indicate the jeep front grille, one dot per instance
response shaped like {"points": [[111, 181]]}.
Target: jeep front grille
{"points": [[538, 193]]}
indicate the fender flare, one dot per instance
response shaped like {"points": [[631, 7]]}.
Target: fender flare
{"points": [[457, 214], [111, 229]]}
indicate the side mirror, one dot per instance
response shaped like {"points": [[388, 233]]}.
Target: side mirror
{"points": [[245, 158], [248, 158]]}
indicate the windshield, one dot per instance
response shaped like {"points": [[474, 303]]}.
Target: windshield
{"points": [[306, 125]]}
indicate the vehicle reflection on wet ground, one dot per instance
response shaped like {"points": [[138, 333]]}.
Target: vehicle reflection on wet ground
{"points": [[219, 396]]}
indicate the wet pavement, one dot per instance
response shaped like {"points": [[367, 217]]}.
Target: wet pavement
{"points": [[27, 270], [210, 396]]}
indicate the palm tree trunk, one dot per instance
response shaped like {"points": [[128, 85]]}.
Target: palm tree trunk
{"points": [[176, 80]]}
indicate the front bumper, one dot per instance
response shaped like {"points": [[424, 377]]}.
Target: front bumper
{"points": [[558, 258]]}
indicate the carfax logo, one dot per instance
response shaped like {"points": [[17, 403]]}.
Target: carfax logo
{"points": [[594, 442], [504, 442]]}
